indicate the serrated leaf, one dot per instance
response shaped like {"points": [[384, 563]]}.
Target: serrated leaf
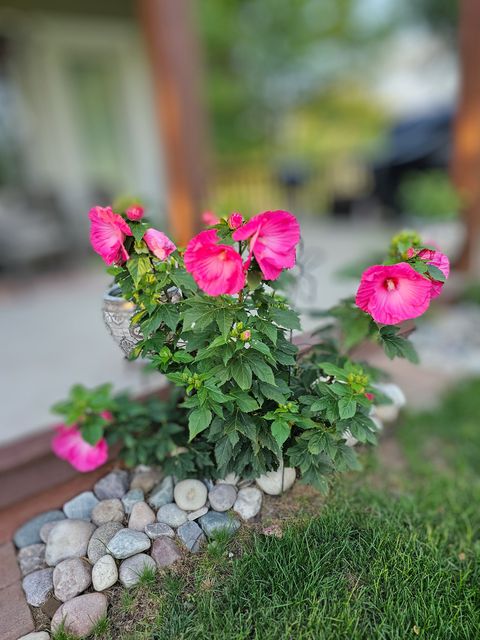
{"points": [[224, 319], [436, 273], [138, 266], [272, 393], [280, 431], [286, 318], [347, 407], [138, 230], [262, 371], [241, 373], [198, 420], [92, 432]]}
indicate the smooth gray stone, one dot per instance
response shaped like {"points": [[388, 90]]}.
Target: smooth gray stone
{"points": [[191, 535], [162, 494], [128, 542], [222, 497], [104, 573], [68, 539], [158, 529], [132, 568], [97, 545], [38, 587], [108, 511], [29, 533], [80, 507], [214, 521], [130, 498], [79, 615], [113, 485], [31, 558], [172, 515]]}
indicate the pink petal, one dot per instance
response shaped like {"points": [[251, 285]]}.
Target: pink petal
{"points": [[159, 244], [69, 445]]}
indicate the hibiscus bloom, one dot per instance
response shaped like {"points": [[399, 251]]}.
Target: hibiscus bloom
{"points": [[210, 219], [159, 244], [135, 212], [216, 268], [439, 260], [107, 234], [69, 445], [274, 236], [393, 293]]}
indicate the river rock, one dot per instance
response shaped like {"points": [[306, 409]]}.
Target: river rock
{"points": [[248, 502], [194, 515], [108, 511], [158, 529], [81, 506], [128, 542], [165, 552], [277, 482], [31, 558], [45, 530], [130, 498], [222, 497], [190, 495], [215, 521], [70, 578], [162, 493], [29, 533], [172, 515], [389, 412], [68, 539], [113, 485], [97, 546], [36, 635], [38, 587], [132, 568], [191, 535], [145, 478], [104, 573], [80, 615], [141, 516]]}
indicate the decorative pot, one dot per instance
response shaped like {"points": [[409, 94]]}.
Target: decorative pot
{"points": [[118, 313]]}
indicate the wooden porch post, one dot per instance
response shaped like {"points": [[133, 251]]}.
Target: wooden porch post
{"points": [[465, 167], [174, 51]]}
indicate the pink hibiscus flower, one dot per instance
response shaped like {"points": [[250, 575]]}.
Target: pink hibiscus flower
{"points": [[209, 219], [159, 244], [274, 236], [216, 268], [135, 212], [439, 260], [393, 293], [69, 445], [107, 234]]}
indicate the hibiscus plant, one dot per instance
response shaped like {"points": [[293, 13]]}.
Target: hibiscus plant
{"points": [[249, 400]]}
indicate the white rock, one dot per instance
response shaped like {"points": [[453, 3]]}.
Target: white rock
{"points": [[172, 515], [140, 516], [36, 635], [190, 495], [248, 502], [222, 497], [104, 573], [277, 482], [389, 412]]}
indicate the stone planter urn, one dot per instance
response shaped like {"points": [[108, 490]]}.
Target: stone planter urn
{"points": [[118, 314]]}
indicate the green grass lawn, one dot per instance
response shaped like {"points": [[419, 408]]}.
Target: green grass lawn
{"points": [[392, 554]]}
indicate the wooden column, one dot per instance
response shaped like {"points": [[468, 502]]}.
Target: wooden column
{"points": [[465, 167], [173, 46]]}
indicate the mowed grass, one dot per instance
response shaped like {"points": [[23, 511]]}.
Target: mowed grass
{"points": [[393, 554]]}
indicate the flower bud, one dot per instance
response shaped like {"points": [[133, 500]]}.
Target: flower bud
{"points": [[235, 220], [135, 212], [245, 335]]}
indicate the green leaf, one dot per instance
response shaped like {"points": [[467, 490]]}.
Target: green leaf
{"points": [[244, 401], [436, 273], [347, 407], [394, 345], [183, 280], [262, 371], [198, 421], [92, 431], [138, 266], [280, 431], [138, 230], [241, 373], [286, 318], [223, 451], [268, 329], [224, 319], [332, 370], [272, 393], [170, 315]]}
